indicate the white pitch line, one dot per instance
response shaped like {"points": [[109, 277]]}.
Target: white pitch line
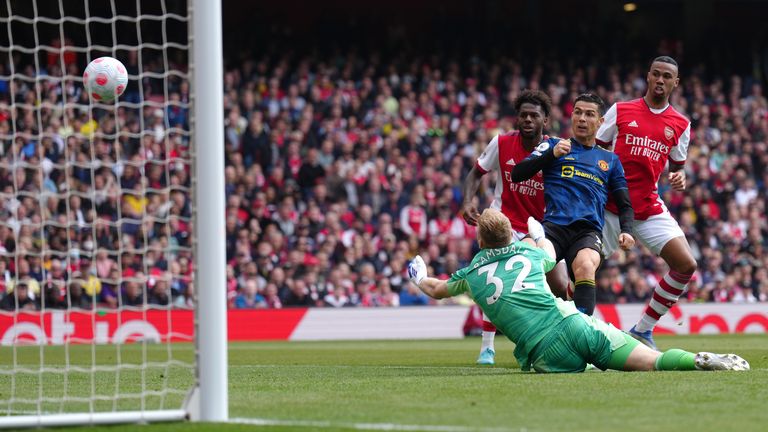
{"points": [[499, 369], [316, 366], [368, 426]]}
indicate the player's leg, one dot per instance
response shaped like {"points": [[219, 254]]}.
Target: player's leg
{"points": [[635, 356], [562, 350], [662, 235], [558, 280], [610, 348], [487, 349], [617, 350], [584, 265], [580, 340]]}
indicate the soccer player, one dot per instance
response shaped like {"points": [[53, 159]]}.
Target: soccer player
{"points": [[578, 176], [645, 133], [506, 279], [517, 201]]}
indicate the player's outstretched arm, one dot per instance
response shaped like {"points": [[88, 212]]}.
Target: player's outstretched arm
{"points": [[540, 159], [537, 238], [433, 287]]}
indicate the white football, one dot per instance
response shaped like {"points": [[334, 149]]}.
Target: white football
{"points": [[105, 78]]}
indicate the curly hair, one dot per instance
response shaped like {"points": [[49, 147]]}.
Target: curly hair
{"points": [[534, 97]]}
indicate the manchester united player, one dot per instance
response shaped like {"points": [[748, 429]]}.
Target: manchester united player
{"points": [[579, 176], [645, 133], [517, 201]]}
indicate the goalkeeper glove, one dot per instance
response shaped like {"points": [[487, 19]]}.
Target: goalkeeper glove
{"points": [[535, 230], [417, 270]]}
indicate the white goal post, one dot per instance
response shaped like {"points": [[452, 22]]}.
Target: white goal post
{"points": [[212, 307], [112, 246]]}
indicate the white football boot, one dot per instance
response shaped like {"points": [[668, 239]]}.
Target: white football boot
{"points": [[710, 361]]}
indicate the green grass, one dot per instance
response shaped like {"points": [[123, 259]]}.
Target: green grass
{"points": [[335, 385]]}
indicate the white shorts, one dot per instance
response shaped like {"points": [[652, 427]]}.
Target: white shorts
{"points": [[653, 233], [517, 235]]}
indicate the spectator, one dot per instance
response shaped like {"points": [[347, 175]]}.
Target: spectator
{"points": [[250, 298], [413, 217], [272, 298], [299, 295], [411, 296], [132, 293], [77, 300], [334, 166], [337, 298], [18, 297], [159, 291]]}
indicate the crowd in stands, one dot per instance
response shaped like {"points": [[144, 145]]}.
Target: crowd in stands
{"points": [[339, 170]]}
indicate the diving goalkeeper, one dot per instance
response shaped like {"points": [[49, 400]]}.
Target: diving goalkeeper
{"points": [[507, 281]]}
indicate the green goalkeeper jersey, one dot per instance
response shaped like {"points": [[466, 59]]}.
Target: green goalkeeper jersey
{"points": [[509, 285]]}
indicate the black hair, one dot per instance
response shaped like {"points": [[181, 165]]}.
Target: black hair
{"points": [[592, 98], [665, 59], [534, 97]]}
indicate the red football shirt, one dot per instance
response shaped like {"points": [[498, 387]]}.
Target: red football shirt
{"points": [[644, 139], [517, 201]]}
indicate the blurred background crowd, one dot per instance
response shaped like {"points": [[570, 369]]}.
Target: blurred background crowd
{"points": [[341, 165]]}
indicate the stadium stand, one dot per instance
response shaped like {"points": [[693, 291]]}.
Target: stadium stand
{"points": [[340, 168]]}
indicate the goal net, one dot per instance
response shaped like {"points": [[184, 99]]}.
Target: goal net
{"points": [[97, 268]]}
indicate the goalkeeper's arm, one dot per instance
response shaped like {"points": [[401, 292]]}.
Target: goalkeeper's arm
{"points": [[433, 287], [536, 237]]}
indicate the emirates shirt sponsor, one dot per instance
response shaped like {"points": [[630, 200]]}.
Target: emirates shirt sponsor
{"points": [[645, 139]]}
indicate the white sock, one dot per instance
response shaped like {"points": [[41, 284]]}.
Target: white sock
{"points": [[488, 340], [665, 295], [488, 335], [646, 323]]}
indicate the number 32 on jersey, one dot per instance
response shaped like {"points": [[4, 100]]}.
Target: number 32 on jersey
{"points": [[519, 284]]}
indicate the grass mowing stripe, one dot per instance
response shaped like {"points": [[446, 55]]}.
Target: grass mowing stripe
{"points": [[368, 426]]}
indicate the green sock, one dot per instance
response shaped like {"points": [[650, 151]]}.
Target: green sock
{"points": [[676, 359]]}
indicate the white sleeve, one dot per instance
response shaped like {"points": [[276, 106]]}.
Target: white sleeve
{"points": [[423, 225], [404, 226], [679, 152], [457, 228], [608, 130], [433, 230], [489, 160]]}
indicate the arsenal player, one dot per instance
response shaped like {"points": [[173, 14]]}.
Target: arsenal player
{"points": [[517, 201], [646, 133]]}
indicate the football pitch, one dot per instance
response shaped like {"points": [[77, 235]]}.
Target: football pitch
{"points": [[415, 385]]}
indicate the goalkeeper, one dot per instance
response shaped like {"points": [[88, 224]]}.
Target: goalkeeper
{"points": [[507, 280]]}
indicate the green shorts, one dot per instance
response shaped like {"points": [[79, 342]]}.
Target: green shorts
{"points": [[580, 339]]}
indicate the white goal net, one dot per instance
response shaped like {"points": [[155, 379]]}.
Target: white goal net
{"points": [[96, 211]]}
